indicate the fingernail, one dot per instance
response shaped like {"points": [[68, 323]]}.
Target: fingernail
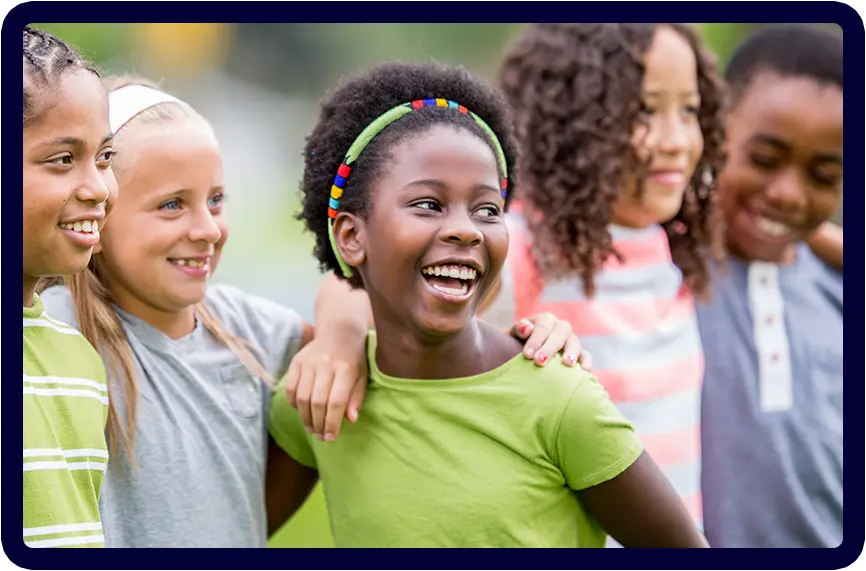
{"points": [[541, 358], [329, 437], [569, 359], [530, 353], [309, 430], [524, 330]]}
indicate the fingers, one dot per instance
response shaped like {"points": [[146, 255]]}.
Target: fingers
{"points": [[586, 360], [304, 395], [539, 329], [343, 382], [554, 343], [320, 397], [573, 352], [356, 399], [293, 377]]}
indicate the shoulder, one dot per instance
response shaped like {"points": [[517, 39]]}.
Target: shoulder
{"points": [[59, 305], [240, 310]]}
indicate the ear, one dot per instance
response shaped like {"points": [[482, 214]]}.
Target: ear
{"points": [[351, 238]]}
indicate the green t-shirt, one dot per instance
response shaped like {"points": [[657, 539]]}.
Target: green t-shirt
{"points": [[65, 453], [486, 461]]}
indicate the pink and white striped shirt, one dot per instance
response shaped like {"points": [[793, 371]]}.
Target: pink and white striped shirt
{"points": [[642, 331]]}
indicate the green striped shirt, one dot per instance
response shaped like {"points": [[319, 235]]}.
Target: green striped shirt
{"points": [[65, 453]]}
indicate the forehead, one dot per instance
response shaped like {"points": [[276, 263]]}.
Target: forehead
{"points": [[798, 110], [182, 153], [670, 62], [443, 147], [75, 106]]}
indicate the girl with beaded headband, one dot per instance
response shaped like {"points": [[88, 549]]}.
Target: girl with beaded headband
{"points": [[463, 441], [192, 365]]}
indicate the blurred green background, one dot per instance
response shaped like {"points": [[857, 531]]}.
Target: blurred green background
{"points": [[258, 84]]}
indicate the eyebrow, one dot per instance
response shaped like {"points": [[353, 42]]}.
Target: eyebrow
{"points": [[73, 142], [441, 186], [777, 142], [183, 191], [656, 93]]}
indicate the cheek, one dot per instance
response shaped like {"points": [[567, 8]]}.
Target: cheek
{"points": [[697, 143]]}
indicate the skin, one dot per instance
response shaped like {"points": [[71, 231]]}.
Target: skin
{"points": [[785, 165], [438, 199], [669, 137], [67, 176]]}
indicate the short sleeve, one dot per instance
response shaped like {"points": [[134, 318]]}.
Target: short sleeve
{"points": [[274, 330], [287, 429], [594, 442]]}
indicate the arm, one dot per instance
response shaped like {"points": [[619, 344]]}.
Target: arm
{"points": [[639, 508], [826, 243], [619, 484], [287, 486]]}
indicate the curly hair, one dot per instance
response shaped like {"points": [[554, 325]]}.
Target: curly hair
{"points": [[357, 102], [46, 59], [575, 91]]}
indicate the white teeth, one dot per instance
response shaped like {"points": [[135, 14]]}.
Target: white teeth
{"points": [[190, 263], [86, 226], [464, 287], [772, 227], [456, 272]]}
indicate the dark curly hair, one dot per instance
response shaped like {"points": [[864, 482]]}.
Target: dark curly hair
{"points": [[46, 59], [357, 102], [575, 91]]}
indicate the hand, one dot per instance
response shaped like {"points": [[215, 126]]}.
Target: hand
{"points": [[327, 379], [546, 335]]}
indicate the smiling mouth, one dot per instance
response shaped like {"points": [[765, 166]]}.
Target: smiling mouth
{"points": [[452, 280]]}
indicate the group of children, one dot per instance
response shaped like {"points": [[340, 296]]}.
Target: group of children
{"points": [[593, 186]]}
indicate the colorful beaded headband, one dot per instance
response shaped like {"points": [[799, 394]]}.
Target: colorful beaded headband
{"points": [[374, 129]]}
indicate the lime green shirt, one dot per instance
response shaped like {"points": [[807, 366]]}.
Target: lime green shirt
{"points": [[65, 453], [491, 460]]}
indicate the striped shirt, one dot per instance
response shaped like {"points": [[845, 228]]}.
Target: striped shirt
{"points": [[65, 453], [642, 332]]}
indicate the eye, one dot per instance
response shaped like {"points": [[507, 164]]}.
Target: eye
{"points": [[63, 160], [104, 158], [172, 205], [216, 201], [692, 110], [430, 205], [763, 160], [489, 211], [645, 111]]}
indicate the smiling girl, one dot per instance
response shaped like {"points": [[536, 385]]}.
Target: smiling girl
{"points": [[464, 442]]}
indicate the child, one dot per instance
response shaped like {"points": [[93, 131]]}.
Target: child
{"points": [[463, 442], [772, 403], [67, 186], [186, 359], [620, 125]]}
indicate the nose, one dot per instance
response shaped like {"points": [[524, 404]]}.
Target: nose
{"points": [[97, 187], [203, 227], [461, 230], [787, 192], [671, 134]]}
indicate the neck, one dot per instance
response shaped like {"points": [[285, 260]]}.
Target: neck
{"points": [[30, 284], [418, 355], [175, 324]]}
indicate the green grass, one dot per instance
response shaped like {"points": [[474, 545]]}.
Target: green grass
{"points": [[309, 527]]}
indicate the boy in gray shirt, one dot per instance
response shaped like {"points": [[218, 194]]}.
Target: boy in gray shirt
{"points": [[772, 398]]}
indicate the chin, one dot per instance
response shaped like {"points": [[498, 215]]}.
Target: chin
{"points": [[442, 326]]}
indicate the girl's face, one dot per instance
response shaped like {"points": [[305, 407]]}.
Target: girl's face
{"points": [[436, 239], [68, 182], [166, 234], [669, 138]]}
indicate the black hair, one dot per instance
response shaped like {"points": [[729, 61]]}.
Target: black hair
{"points": [[789, 50], [46, 59], [357, 102]]}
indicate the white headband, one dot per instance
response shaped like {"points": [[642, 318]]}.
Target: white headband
{"points": [[128, 101]]}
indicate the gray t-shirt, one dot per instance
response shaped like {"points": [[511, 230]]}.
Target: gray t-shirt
{"points": [[201, 428], [772, 405]]}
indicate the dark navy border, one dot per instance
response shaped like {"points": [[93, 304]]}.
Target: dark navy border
{"points": [[516, 12]]}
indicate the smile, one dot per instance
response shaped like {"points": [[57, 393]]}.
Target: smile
{"points": [[453, 282]]}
